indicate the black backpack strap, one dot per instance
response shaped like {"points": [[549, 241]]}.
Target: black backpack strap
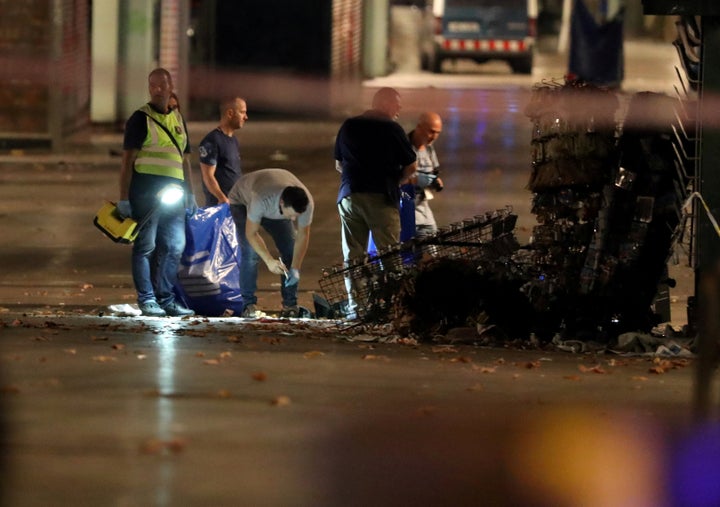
{"points": [[182, 154]]}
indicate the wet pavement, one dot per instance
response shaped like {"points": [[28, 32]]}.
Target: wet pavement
{"points": [[106, 410]]}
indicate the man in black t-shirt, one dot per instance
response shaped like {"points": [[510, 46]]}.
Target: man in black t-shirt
{"points": [[374, 156], [220, 152]]}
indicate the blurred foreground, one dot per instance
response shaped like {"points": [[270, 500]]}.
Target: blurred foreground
{"points": [[107, 410]]}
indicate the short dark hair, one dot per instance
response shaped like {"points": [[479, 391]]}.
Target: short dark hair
{"points": [[228, 103], [296, 198], [161, 72]]}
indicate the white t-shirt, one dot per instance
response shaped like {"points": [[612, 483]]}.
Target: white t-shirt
{"points": [[260, 192]]}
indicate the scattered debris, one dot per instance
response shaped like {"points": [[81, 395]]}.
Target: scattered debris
{"points": [[608, 187]]}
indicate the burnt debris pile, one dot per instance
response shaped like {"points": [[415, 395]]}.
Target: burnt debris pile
{"points": [[434, 273], [608, 189], [608, 197]]}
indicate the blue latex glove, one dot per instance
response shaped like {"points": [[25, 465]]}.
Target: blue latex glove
{"points": [[191, 204], [293, 277], [425, 179], [124, 209]]}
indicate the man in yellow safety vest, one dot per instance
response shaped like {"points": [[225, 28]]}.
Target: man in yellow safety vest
{"points": [[156, 153]]}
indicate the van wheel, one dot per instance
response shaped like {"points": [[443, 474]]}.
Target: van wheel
{"points": [[436, 65], [424, 61], [522, 65]]}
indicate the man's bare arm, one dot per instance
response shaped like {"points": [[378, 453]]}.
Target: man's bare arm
{"points": [[126, 171], [211, 183]]}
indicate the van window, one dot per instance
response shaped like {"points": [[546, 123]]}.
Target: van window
{"points": [[512, 4]]}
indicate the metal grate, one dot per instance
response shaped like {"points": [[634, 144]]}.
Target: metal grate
{"points": [[375, 279]]}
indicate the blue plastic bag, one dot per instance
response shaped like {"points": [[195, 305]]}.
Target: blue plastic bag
{"points": [[407, 218], [209, 274]]}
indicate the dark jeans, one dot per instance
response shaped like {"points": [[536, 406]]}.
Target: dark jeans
{"points": [[282, 233]]}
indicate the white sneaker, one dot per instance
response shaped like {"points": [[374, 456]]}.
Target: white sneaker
{"points": [[251, 312]]}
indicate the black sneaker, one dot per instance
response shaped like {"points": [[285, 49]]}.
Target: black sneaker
{"points": [[290, 312], [151, 309], [175, 309]]}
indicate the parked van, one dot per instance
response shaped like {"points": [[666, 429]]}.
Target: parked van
{"points": [[482, 30]]}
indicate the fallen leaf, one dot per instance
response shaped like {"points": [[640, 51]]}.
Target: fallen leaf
{"points": [[375, 357], [639, 377], [572, 377], [260, 376], [476, 387], [593, 369], [461, 359], [118, 346], [156, 446], [313, 353], [280, 401], [104, 359], [233, 339], [225, 355], [407, 341], [224, 393], [445, 349], [212, 362], [617, 362], [70, 351], [175, 445]]}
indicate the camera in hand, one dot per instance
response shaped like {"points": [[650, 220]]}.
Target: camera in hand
{"points": [[436, 184]]}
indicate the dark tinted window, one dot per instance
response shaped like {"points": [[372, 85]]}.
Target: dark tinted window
{"points": [[508, 4]]}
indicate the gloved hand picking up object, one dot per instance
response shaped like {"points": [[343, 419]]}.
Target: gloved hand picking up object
{"points": [[293, 277]]}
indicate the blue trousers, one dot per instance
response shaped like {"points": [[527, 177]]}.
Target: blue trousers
{"points": [[282, 233], [157, 249]]}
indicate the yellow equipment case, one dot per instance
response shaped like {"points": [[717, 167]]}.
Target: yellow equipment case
{"points": [[118, 229]]}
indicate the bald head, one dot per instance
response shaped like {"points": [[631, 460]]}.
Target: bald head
{"points": [[429, 119], [387, 101], [428, 129]]}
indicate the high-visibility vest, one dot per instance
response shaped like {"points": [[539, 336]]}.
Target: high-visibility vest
{"points": [[159, 155]]}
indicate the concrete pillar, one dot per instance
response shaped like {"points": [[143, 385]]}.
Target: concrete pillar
{"points": [[137, 54], [174, 21], [376, 26], [104, 68]]}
